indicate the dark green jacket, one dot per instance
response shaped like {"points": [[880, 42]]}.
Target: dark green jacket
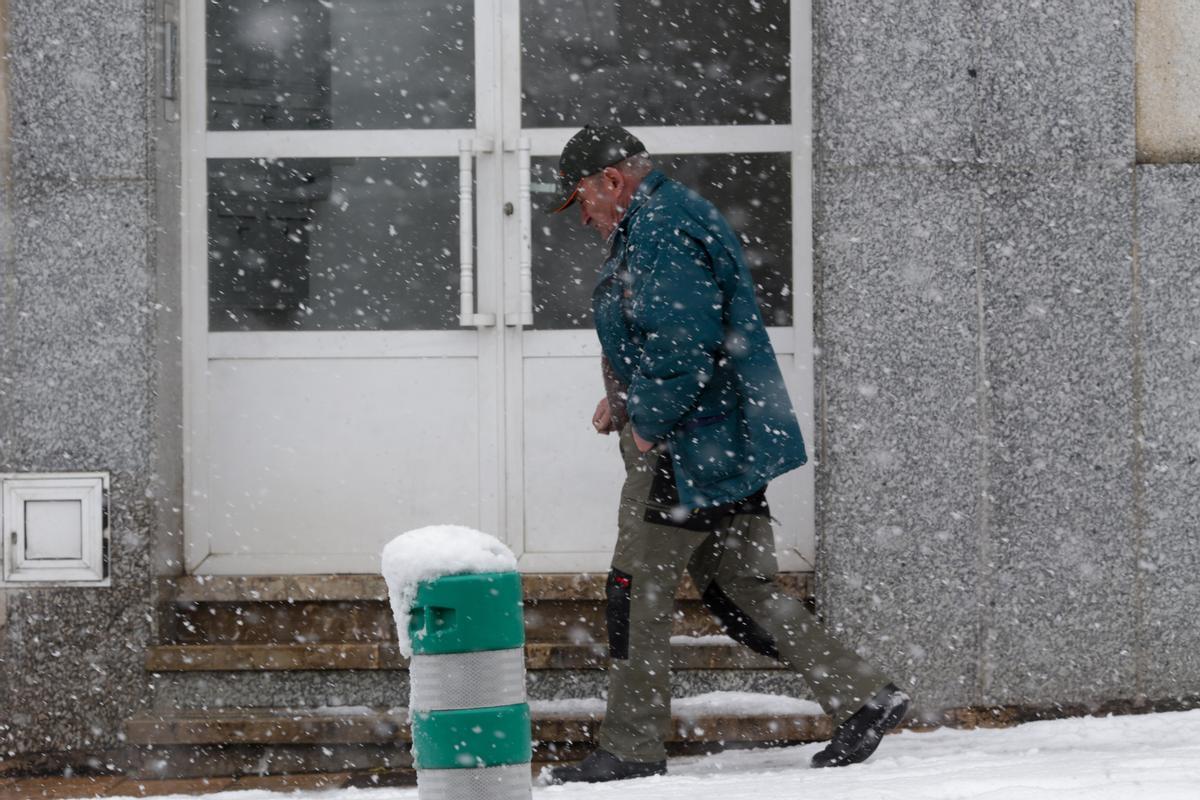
{"points": [[677, 319]]}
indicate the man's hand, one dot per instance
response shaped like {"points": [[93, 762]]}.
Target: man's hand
{"points": [[643, 446], [602, 420]]}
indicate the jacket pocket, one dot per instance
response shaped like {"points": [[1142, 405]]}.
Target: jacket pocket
{"points": [[712, 449]]}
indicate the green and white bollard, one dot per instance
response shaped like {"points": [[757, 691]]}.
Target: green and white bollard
{"points": [[470, 718]]}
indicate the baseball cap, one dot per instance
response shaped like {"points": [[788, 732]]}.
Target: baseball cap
{"points": [[589, 151]]}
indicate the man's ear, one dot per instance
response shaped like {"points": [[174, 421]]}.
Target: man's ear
{"points": [[614, 178]]}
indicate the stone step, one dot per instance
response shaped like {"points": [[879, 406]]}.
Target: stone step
{"points": [[380, 688], [572, 723], [307, 609], [688, 653], [371, 622], [297, 643], [294, 589], [279, 741]]}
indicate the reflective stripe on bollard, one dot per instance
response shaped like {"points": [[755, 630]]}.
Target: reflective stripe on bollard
{"points": [[494, 783], [468, 680], [470, 720]]}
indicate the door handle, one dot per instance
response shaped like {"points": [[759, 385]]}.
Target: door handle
{"points": [[467, 317], [524, 316]]}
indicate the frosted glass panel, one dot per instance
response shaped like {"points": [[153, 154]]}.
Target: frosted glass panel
{"points": [[752, 190], [317, 65], [655, 62], [333, 244], [53, 529]]}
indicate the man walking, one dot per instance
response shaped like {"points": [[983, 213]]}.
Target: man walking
{"points": [[705, 422]]}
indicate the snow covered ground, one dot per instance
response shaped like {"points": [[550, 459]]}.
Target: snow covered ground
{"points": [[1156, 757]]}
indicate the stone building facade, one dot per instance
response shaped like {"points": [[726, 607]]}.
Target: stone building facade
{"points": [[1005, 306]]}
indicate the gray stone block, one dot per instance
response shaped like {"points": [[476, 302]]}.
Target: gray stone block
{"points": [[388, 688], [689, 683], [7, 315], [1061, 567], [893, 82], [78, 393], [282, 689], [897, 474], [1056, 81], [1169, 259], [80, 348], [78, 90]]}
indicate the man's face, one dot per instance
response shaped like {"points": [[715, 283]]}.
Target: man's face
{"points": [[602, 200]]}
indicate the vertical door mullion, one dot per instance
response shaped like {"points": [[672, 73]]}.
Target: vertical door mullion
{"points": [[489, 271], [194, 282], [514, 386], [802, 266]]}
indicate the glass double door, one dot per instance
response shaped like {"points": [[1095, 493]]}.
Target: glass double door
{"points": [[382, 329]]}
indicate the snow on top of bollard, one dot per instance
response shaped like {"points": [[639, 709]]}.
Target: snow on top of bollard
{"points": [[426, 554]]}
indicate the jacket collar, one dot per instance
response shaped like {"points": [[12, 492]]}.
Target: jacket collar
{"points": [[647, 187]]}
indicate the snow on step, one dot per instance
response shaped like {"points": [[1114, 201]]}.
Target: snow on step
{"points": [[712, 704]]}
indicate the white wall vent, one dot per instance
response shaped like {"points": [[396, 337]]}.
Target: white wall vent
{"points": [[55, 528]]}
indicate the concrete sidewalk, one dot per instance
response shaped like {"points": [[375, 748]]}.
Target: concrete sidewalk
{"points": [[119, 786]]}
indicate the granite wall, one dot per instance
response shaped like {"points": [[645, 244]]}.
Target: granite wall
{"points": [[1007, 307], [1168, 531], [78, 365]]}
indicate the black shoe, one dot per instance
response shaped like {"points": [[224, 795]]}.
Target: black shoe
{"points": [[856, 738], [602, 766]]}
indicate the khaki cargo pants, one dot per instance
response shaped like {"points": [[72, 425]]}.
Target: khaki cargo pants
{"points": [[730, 554]]}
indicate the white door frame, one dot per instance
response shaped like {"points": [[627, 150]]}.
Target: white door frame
{"points": [[201, 346], [497, 77], [795, 342]]}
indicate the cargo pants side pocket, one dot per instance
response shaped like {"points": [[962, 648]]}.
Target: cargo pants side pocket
{"points": [[618, 592]]}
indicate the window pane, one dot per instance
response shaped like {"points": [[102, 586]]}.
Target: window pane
{"points": [[655, 62], [317, 65], [333, 244], [753, 191]]}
